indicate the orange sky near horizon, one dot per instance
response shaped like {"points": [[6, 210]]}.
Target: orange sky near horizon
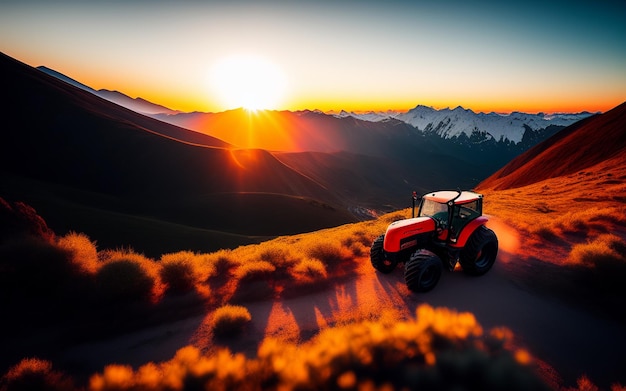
{"points": [[368, 56]]}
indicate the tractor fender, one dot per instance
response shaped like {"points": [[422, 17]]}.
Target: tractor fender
{"points": [[404, 234], [468, 231]]}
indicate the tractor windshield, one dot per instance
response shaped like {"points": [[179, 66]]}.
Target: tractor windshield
{"points": [[430, 208]]}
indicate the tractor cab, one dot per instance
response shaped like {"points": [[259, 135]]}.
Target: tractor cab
{"points": [[452, 211]]}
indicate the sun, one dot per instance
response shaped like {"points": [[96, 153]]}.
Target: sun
{"points": [[247, 81]]}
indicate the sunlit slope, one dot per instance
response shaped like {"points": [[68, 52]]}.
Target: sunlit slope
{"points": [[93, 166], [597, 140], [288, 131], [567, 200]]}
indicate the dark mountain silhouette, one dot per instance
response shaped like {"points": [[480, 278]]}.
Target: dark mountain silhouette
{"points": [[372, 164], [89, 165], [136, 104], [139, 105], [600, 139]]}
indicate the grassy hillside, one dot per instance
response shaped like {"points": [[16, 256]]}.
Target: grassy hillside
{"points": [[105, 292]]}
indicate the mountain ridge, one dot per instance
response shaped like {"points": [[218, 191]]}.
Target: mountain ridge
{"points": [[451, 123], [595, 140], [446, 123]]}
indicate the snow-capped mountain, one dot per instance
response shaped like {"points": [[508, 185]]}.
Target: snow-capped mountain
{"points": [[371, 116], [450, 123]]}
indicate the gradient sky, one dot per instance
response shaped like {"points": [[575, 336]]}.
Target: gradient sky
{"points": [[503, 56]]}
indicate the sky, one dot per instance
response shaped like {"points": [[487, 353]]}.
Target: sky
{"points": [[500, 56]]}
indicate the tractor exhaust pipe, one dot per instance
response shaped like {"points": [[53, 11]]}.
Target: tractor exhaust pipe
{"points": [[414, 199]]}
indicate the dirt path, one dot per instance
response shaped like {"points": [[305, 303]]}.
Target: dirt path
{"points": [[571, 340]]}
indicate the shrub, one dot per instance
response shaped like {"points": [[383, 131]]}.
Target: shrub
{"points": [[35, 374], [601, 266], [440, 349], [605, 248], [222, 262], [83, 249], [34, 268], [255, 270], [280, 257], [308, 271], [358, 242], [338, 260], [178, 272], [20, 219], [124, 280], [230, 320]]}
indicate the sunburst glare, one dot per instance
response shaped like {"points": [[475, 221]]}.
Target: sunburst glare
{"points": [[247, 81]]}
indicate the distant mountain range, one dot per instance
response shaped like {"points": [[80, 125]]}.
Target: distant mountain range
{"points": [[449, 123], [136, 104], [446, 123], [118, 171]]}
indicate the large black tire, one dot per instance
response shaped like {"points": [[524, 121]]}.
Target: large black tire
{"points": [[379, 259], [480, 252], [422, 271]]}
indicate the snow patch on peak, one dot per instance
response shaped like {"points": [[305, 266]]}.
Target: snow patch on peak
{"points": [[453, 123]]}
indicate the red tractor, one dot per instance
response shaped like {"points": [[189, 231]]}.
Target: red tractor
{"points": [[449, 228]]}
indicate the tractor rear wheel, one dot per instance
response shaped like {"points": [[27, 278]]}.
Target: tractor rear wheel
{"points": [[379, 259], [480, 252], [422, 271]]}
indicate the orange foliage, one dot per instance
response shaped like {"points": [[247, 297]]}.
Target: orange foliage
{"points": [[607, 247], [35, 374], [83, 249], [230, 319], [435, 350]]}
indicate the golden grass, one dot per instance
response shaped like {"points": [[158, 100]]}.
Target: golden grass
{"points": [[559, 213], [596, 194], [83, 250], [35, 374], [178, 271], [309, 271], [604, 248], [255, 270], [365, 351], [438, 349]]}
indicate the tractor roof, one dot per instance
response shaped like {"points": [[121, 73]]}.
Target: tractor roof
{"points": [[447, 195]]}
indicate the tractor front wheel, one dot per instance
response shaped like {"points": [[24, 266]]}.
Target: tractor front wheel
{"points": [[422, 271], [480, 252], [379, 259]]}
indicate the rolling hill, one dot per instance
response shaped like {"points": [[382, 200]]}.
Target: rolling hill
{"points": [[598, 140], [127, 179]]}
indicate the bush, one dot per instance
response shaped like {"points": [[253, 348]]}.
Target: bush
{"points": [[83, 249], [309, 271], [604, 249], [255, 271], [35, 374], [358, 243], [281, 258], [32, 268], [338, 260], [440, 349], [222, 262], [124, 280], [230, 320], [20, 219], [178, 272]]}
